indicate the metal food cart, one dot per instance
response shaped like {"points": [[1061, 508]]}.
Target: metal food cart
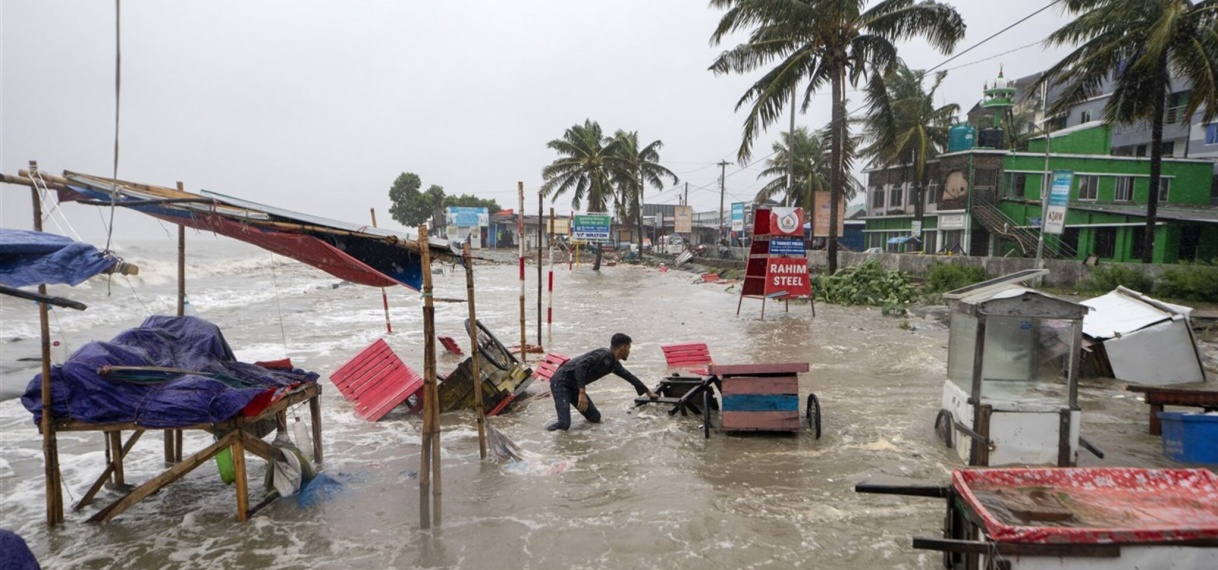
{"points": [[1011, 394], [1076, 518]]}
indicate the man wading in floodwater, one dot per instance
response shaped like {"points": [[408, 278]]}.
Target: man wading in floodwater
{"points": [[570, 380]]}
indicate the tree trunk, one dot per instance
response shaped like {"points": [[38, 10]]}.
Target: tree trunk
{"points": [[1156, 161], [596, 263], [838, 123], [920, 205]]}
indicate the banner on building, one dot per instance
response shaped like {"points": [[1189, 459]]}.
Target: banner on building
{"points": [[591, 226], [467, 217], [820, 216], [738, 216], [1059, 197], [684, 219]]}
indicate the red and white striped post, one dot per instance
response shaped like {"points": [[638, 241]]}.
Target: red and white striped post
{"points": [[550, 284], [520, 231]]}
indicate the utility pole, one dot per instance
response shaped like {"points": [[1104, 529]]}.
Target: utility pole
{"points": [[686, 202], [722, 175]]}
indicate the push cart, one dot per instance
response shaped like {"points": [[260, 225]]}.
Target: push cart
{"points": [[1011, 394], [1073, 518], [755, 397]]}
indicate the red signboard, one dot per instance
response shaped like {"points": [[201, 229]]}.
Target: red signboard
{"points": [[787, 222], [787, 277]]}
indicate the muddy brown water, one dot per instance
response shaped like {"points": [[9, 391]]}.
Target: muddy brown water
{"points": [[641, 490]]}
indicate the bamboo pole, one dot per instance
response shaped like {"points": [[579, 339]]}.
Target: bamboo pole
{"points": [[541, 216], [50, 445], [477, 358], [429, 492], [172, 453], [520, 229], [384, 294]]}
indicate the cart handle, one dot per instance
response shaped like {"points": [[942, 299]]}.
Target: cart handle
{"points": [[969, 432], [1091, 447], [1017, 549], [936, 491]]}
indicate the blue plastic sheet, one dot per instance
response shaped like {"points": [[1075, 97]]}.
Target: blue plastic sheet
{"points": [[82, 389], [35, 258]]}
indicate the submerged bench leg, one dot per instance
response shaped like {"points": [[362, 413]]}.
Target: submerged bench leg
{"points": [[243, 490], [1156, 428]]}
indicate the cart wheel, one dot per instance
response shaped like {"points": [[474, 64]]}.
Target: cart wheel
{"points": [[491, 349], [945, 428], [707, 398], [814, 414]]}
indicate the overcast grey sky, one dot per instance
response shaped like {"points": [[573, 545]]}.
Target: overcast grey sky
{"points": [[318, 106]]}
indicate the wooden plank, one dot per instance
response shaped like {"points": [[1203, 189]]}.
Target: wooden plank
{"points": [[722, 370], [760, 421], [760, 403], [101, 480], [760, 385], [166, 477]]}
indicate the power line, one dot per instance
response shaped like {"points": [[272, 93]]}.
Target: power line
{"points": [[941, 64]]}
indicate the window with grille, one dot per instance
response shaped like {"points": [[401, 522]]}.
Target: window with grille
{"points": [[1105, 242], [1124, 189], [896, 196], [877, 198], [1164, 188], [1088, 187], [1211, 133], [1015, 185], [985, 178]]}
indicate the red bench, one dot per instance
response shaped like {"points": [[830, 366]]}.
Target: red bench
{"points": [[549, 365], [376, 381], [450, 345], [690, 357]]}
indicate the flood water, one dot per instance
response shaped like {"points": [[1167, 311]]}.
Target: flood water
{"points": [[641, 490]]}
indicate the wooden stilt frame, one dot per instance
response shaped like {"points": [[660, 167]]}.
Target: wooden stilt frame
{"points": [[235, 433], [429, 490], [50, 445], [475, 354], [173, 438]]}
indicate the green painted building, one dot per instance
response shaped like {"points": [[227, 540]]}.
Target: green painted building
{"points": [[987, 201]]}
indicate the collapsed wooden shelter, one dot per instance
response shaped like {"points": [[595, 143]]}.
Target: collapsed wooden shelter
{"points": [[359, 254]]}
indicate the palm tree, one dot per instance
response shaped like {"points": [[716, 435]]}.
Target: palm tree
{"points": [[641, 167], [808, 156], [903, 125], [1140, 45], [822, 42], [586, 166]]}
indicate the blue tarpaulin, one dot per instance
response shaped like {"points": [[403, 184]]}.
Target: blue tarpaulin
{"points": [[118, 381], [35, 258], [903, 239]]}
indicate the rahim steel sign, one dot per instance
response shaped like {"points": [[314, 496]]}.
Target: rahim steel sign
{"points": [[787, 276]]}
